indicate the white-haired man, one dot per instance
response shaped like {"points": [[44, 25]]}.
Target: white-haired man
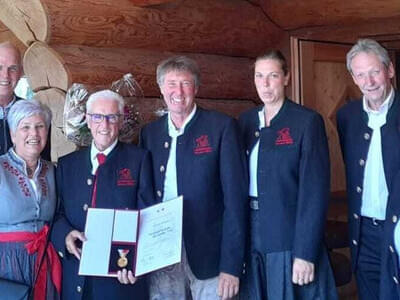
{"points": [[108, 174]]}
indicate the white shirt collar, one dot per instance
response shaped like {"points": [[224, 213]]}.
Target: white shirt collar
{"points": [[172, 130], [4, 110], [20, 161], [94, 151], [261, 117], [384, 108]]}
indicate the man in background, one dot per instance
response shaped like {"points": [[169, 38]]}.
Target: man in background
{"points": [[10, 73], [369, 138]]}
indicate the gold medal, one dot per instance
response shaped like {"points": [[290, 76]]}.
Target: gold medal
{"points": [[122, 261]]}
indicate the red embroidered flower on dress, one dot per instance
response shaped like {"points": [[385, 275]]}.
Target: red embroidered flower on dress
{"points": [[42, 179], [21, 179]]}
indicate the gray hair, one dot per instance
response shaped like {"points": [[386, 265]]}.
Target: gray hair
{"points": [[367, 46], [22, 109], [275, 55], [105, 95], [178, 63]]}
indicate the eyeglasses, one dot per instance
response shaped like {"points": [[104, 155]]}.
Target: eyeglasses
{"points": [[98, 118]]}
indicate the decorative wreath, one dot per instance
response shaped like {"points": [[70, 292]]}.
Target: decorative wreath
{"points": [[74, 118]]}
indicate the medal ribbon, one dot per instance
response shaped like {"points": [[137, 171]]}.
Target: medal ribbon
{"points": [[101, 158]]}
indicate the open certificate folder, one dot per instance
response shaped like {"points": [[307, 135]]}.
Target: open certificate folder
{"points": [[142, 241]]}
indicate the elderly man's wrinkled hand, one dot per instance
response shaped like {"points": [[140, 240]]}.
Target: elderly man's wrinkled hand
{"points": [[126, 277]]}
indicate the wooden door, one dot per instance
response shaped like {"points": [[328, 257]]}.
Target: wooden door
{"points": [[324, 84]]}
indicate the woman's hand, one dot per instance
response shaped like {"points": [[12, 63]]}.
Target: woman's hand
{"points": [[70, 240], [228, 286], [126, 277], [303, 271]]}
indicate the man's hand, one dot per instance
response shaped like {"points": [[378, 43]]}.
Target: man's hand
{"points": [[228, 286], [70, 242], [303, 271], [126, 277]]}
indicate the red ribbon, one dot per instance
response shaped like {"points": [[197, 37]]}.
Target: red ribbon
{"points": [[101, 158], [36, 242]]}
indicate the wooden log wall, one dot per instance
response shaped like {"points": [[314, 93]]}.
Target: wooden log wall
{"points": [[311, 14], [96, 42], [207, 26], [7, 35], [386, 30], [98, 67]]}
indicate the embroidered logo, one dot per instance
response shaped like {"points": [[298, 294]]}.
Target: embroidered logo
{"points": [[284, 137], [202, 145], [125, 178]]}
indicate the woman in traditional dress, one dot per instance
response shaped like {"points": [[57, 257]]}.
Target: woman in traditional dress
{"points": [[27, 203]]}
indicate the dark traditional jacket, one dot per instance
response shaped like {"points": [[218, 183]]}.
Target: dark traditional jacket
{"points": [[211, 170], [390, 268], [75, 186], [293, 178], [355, 138]]}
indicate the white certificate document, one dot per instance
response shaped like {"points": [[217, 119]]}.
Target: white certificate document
{"points": [[106, 228], [141, 241], [96, 250], [160, 236]]}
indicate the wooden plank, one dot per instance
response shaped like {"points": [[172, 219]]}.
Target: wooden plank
{"points": [[145, 3], [312, 13], [26, 19], [223, 77], [233, 27], [307, 51], [350, 33], [294, 70]]}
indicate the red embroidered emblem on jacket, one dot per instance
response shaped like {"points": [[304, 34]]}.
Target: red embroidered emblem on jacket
{"points": [[125, 178], [284, 137], [202, 145]]}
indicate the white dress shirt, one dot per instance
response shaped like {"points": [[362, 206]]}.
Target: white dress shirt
{"points": [[94, 151], [375, 191], [170, 183], [253, 161]]}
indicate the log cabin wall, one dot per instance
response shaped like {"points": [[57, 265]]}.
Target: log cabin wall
{"points": [[97, 41]]}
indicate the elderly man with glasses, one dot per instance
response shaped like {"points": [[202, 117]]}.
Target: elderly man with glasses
{"points": [[108, 174]]}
